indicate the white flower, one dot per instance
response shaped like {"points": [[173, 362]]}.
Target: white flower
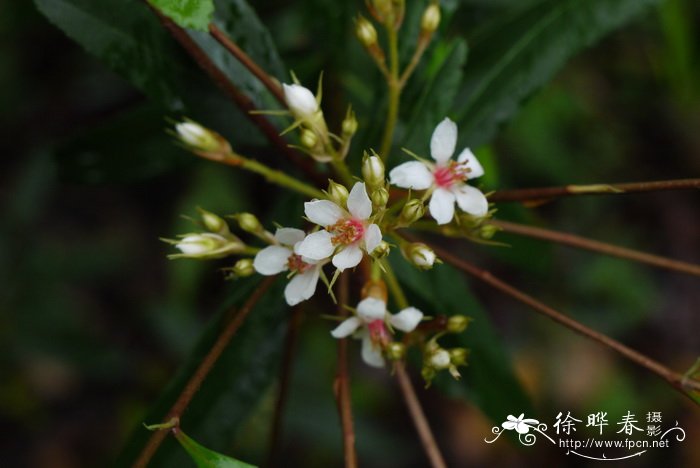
{"points": [[278, 258], [346, 233], [446, 177], [301, 102], [369, 324], [522, 426]]}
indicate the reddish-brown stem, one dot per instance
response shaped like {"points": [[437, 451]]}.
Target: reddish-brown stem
{"points": [[241, 100], [418, 416], [341, 386], [285, 376], [205, 366], [247, 62], [676, 380], [596, 246], [546, 193]]}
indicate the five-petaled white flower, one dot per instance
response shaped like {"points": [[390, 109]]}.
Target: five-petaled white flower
{"points": [[522, 426], [346, 233], [446, 177], [369, 324], [275, 259]]}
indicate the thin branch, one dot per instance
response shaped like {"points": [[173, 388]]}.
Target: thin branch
{"points": [[419, 420], [341, 386], [285, 377], [676, 380], [241, 100], [201, 373], [596, 246], [547, 193], [272, 85]]}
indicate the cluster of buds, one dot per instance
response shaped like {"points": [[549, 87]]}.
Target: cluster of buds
{"points": [[437, 358]]}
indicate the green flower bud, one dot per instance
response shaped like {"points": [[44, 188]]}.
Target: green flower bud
{"points": [[308, 139], [381, 251], [457, 323], [243, 268], [200, 139], [395, 351], [487, 231], [458, 356], [428, 374], [411, 212], [420, 255], [431, 18], [365, 32], [213, 222], [349, 126], [373, 171], [337, 193], [249, 223], [380, 197]]}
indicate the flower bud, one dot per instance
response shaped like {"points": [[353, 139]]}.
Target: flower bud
{"points": [[373, 171], [395, 351], [205, 245], [337, 193], [365, 32], [301, 102], [349, 126], [439, 359], [381, 9], [411, 212], [420, 255], [380, 197], [431, 18], [457, 323], [487, 231], [198, 138], [249, 223], [213, 222], [308, 139], [458, 356], [382, 250], [243, 268], [428, 373]]}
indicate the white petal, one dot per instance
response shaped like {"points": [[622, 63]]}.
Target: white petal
{"points": [[467, 158], [346, 328], [522, 428], [411, 175], [323, 212], [509, 425], [371, 355], [471, 200], [289, 236], [371, 308], [373, 236], [443, 141], [301, 287], [407, 320], [349, 257], [271, 260], [316, 246], [359, 204], [442, 206]]}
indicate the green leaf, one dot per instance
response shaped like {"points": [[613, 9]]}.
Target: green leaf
{"points": [[192, 14], [205, 458], [515, 54], [488, 381], [234, 386]]}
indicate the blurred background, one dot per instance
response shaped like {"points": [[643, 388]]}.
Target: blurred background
{"points": [[95, 321]]}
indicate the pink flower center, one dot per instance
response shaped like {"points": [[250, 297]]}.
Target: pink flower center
{"points": [[446, 176], [296, 264], [346, 231], [378, 332]]}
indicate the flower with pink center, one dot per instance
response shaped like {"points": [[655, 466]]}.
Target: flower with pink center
{"points": [[370, 325], [446, 178], [347, 231], [281, 257]]}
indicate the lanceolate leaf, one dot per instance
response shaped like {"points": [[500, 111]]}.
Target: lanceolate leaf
{"points": [[488, 381], [193, 14], [205, 458], [516, 54]]}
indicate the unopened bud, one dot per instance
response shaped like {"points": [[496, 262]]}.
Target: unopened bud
{"points": [[381, 9], [365, 32], [380, 197], [395, 351], [199, 138], [243, 268], [206, 245], [249, 223], [487, 231], [308, 139], [411, 212], [431, 18], [382, 250], [301, 102], [428, 373], [373, 171], [213, 222], [439, 359], [420, 255], [457, 323], [337, 193], [458, 356], [349, 126]]}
